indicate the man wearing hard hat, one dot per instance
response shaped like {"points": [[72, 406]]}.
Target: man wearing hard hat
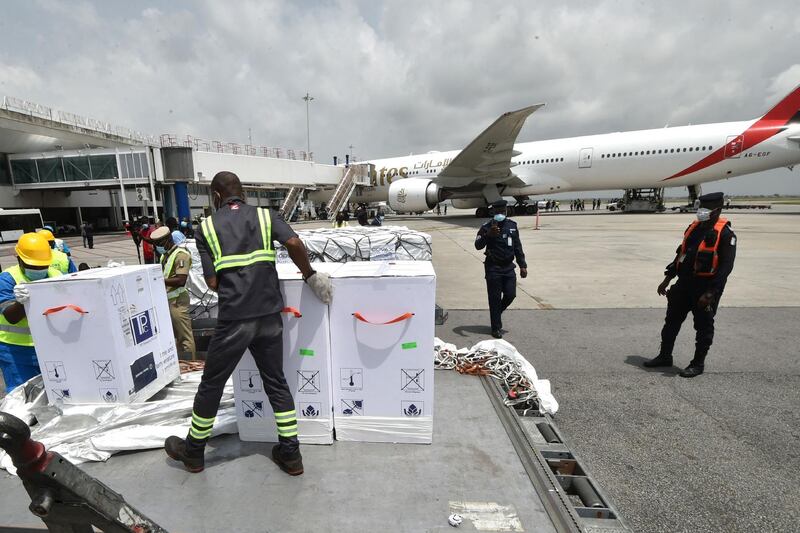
{"points": [[61, 261], [17, 354]]}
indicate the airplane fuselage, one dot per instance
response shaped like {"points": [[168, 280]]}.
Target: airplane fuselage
{"points": [[666, 157]]}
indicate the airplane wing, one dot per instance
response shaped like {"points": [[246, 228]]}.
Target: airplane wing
{"points": [[487, 159]]}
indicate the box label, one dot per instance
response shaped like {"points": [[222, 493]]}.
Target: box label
{"points": [[409, 345], [143, 371], [143, 326], [305, 352]]}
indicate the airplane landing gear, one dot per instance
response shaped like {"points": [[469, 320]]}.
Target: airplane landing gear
{"points": [[482, 212]]}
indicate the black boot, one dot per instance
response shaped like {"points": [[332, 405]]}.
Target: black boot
{"points": [[291, 463], [661, 360], [192, 458], [696, 366], [497, 334]]}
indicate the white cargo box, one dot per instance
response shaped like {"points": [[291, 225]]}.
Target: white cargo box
{"points": [[306, 365], [103, 335], [382, 330]]}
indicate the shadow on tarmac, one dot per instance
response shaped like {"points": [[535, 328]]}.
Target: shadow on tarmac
{"points": [[638, 362], [464, 331]]}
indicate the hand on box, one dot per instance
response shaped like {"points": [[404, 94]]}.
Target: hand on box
{"points": [[21, 294], [320, 284]]}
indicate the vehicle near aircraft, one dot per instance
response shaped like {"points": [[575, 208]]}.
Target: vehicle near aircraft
{"points": [[494, 165]]}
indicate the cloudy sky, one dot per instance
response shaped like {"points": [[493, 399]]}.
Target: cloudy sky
{"points": [[396, 77]]}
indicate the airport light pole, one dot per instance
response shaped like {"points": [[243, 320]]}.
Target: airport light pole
{"points": [[308, 99]]}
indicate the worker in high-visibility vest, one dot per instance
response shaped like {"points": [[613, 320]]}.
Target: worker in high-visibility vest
{"points": [[17, 354], [176, 261], [702, 264], [61, 246], [61, 261], [238, 258]]}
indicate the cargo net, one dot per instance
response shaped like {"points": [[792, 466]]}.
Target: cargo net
{"points": [[501, 361], [362, 243]]}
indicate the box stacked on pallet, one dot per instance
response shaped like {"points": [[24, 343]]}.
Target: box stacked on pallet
{"points": [[382, 332], [363, 243], [306, 365], [103, 335]]}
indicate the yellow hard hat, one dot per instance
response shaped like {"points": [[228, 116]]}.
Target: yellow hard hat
{"points": [[47, 234], [34, 250]]}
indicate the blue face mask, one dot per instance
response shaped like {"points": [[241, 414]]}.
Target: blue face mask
{"points": [[184, 224], [35, 275], [161, 249], [145, 226], [499, 217]]}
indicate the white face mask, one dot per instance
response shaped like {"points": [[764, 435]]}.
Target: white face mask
{"points": [[703, 214]]}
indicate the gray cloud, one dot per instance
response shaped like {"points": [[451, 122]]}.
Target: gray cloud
{"points": [[399, 77]]}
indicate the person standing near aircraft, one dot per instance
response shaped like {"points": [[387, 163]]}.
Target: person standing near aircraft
{"points": [[500, 238], [703, 262]]}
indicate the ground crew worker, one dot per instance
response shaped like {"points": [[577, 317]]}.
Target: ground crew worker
{"points": [[238, 258], [60, 244], [61, 261], [703, 263], [17, 354], [176, 261], [500, 237], [341, 220]]}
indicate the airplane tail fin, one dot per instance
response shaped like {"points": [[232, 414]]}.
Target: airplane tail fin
{"points": [[787, 110]]}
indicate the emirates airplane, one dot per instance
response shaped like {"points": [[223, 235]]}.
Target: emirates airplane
{"points": [[495, 165]]}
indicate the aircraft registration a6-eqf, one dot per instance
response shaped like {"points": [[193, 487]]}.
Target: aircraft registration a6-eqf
{"points": [[495, 165]]}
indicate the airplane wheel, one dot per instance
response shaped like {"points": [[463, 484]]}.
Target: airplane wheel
{"points": [[530, 209], [482, 212]]}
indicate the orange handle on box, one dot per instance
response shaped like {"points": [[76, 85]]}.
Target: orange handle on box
{"points": [[404, 316], [296, 312], [60, 308]]}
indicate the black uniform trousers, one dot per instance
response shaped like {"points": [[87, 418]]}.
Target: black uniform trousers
{"points": [[501, 285], [264, 337], [681, 299]]}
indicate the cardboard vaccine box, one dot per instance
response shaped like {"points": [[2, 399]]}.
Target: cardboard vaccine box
{"points": [[306, 365], [382, 331], [103, 335]]}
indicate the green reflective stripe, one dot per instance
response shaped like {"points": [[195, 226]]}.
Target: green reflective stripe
{"points": [[15, 329], [230, 261], [288, 432], [203, 421], [264, 223], [200, 434], [286, 414], [211, 237]]}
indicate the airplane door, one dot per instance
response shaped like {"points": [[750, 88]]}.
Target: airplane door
{"points": [[733, 146], [585, 158]]}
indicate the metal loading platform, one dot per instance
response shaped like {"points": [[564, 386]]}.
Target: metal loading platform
{"points": [[473, 467]]}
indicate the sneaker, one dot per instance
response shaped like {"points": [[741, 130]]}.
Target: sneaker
{"points": [[661, 360], [176, 449], [292, 464]]}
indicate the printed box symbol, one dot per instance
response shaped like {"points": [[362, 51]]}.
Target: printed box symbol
{"points": [[412, 379], [142, 326], [412, 408], [103, 370], [253, 409], [143, 371], [311, 410], [308, 381], [55, 371], [351, 379], [352, 407], [109, 395], [250, 381]]}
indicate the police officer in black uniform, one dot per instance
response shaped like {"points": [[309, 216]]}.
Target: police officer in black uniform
{"points": [[500, 237], [238, 258], [703, 262]]}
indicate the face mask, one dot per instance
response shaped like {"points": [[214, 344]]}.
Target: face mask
{"points": [[703, 214], [145, 226], [183, 224], [499, 217], [35, 275], [160, 249]]}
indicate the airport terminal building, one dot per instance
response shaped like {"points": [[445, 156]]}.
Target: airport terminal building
{"points": [[81, 170]]}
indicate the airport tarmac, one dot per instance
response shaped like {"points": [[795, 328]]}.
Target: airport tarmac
{"points": [[715, 453]]}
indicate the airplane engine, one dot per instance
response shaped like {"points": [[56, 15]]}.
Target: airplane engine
{"points": [[412, 195], [468, 203]]}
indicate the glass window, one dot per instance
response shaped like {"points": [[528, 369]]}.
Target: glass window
{"points": [[5, 177], [76, 168], [50, 170], [104, 167], [137, 164], [24, 171], [144, 164]]}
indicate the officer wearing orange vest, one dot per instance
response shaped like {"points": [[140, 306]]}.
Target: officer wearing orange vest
{"points": [[702, 265], [17, 354]]}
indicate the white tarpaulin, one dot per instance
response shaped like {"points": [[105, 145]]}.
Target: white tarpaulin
{"points": [[340, 245], [96, 431]]}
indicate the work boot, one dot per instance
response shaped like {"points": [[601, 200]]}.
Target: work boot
{"points": [[194, 461], [291, 463], [497, 334], [661, 360]]}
